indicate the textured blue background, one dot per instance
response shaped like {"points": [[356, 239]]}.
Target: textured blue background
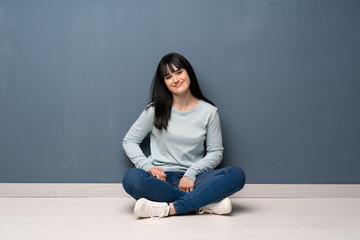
{"points": [[74, 76]]}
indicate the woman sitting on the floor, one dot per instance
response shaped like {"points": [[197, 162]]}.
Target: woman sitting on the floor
{"points": [[186, 146]]}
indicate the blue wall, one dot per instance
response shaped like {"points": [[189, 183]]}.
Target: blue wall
{"points": [[74, 76]]}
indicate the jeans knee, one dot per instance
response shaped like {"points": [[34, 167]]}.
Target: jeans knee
{"points": [[239, 176], [129, 178]]}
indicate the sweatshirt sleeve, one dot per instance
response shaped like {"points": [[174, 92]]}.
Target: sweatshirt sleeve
{"points": [[214, 149], [135, 136]]}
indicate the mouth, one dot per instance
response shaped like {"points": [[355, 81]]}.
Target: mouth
{"points": [[178, 84]]}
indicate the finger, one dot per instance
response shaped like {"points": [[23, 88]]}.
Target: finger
{"points": [[162, 177], [160, 174], [157, 172], [152, 171], [185, 189], [191, 189]]}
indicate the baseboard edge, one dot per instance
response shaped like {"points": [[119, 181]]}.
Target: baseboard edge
{"points": [[93, 190]]}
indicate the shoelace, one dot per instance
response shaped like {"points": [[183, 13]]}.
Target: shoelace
{"points": [[203, 210], [157, 212]]}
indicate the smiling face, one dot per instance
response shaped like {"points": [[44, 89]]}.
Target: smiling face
{"points": [[178, 82]]}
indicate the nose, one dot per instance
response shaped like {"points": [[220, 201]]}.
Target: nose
{"points": [[175, 78]]}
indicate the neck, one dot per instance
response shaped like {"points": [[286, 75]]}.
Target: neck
{"points": [[184, 102]]}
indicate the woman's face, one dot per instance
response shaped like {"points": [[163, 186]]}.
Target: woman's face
{"points": [[177, 82]]}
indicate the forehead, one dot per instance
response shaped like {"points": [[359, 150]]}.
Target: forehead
{"points": [[170, 68]]}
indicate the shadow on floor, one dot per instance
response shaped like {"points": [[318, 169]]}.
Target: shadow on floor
{"points": [[238, 208]]}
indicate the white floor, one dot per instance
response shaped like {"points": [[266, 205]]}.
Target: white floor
{"points": [[112, 218]]}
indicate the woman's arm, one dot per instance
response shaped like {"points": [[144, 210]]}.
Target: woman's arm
{"points": [[135, 136], [214, 149]]}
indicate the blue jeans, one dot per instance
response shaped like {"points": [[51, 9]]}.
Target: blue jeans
{"points": [[210, 187]]}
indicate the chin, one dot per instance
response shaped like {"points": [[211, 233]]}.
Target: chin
{"points": [[179, 92]]}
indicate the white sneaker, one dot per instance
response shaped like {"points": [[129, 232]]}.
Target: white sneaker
{"points": [[221, 207], [145, 208]]}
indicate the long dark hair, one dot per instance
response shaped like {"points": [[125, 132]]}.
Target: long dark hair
{"points": [[161, 97]]}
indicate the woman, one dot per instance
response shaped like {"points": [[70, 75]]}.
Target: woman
{"points": [[186, 145]]}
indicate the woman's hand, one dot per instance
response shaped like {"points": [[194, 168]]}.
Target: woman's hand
{"points": [[186, 184], [158, 173]]}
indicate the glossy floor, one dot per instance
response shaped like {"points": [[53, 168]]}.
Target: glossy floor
{"points": [[112, 218]]}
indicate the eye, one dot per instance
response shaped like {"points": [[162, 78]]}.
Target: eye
{"points": [[167, 77], [179, 72]]}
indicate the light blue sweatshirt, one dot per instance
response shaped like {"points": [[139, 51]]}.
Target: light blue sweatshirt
{"points": [[192, 142]]}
